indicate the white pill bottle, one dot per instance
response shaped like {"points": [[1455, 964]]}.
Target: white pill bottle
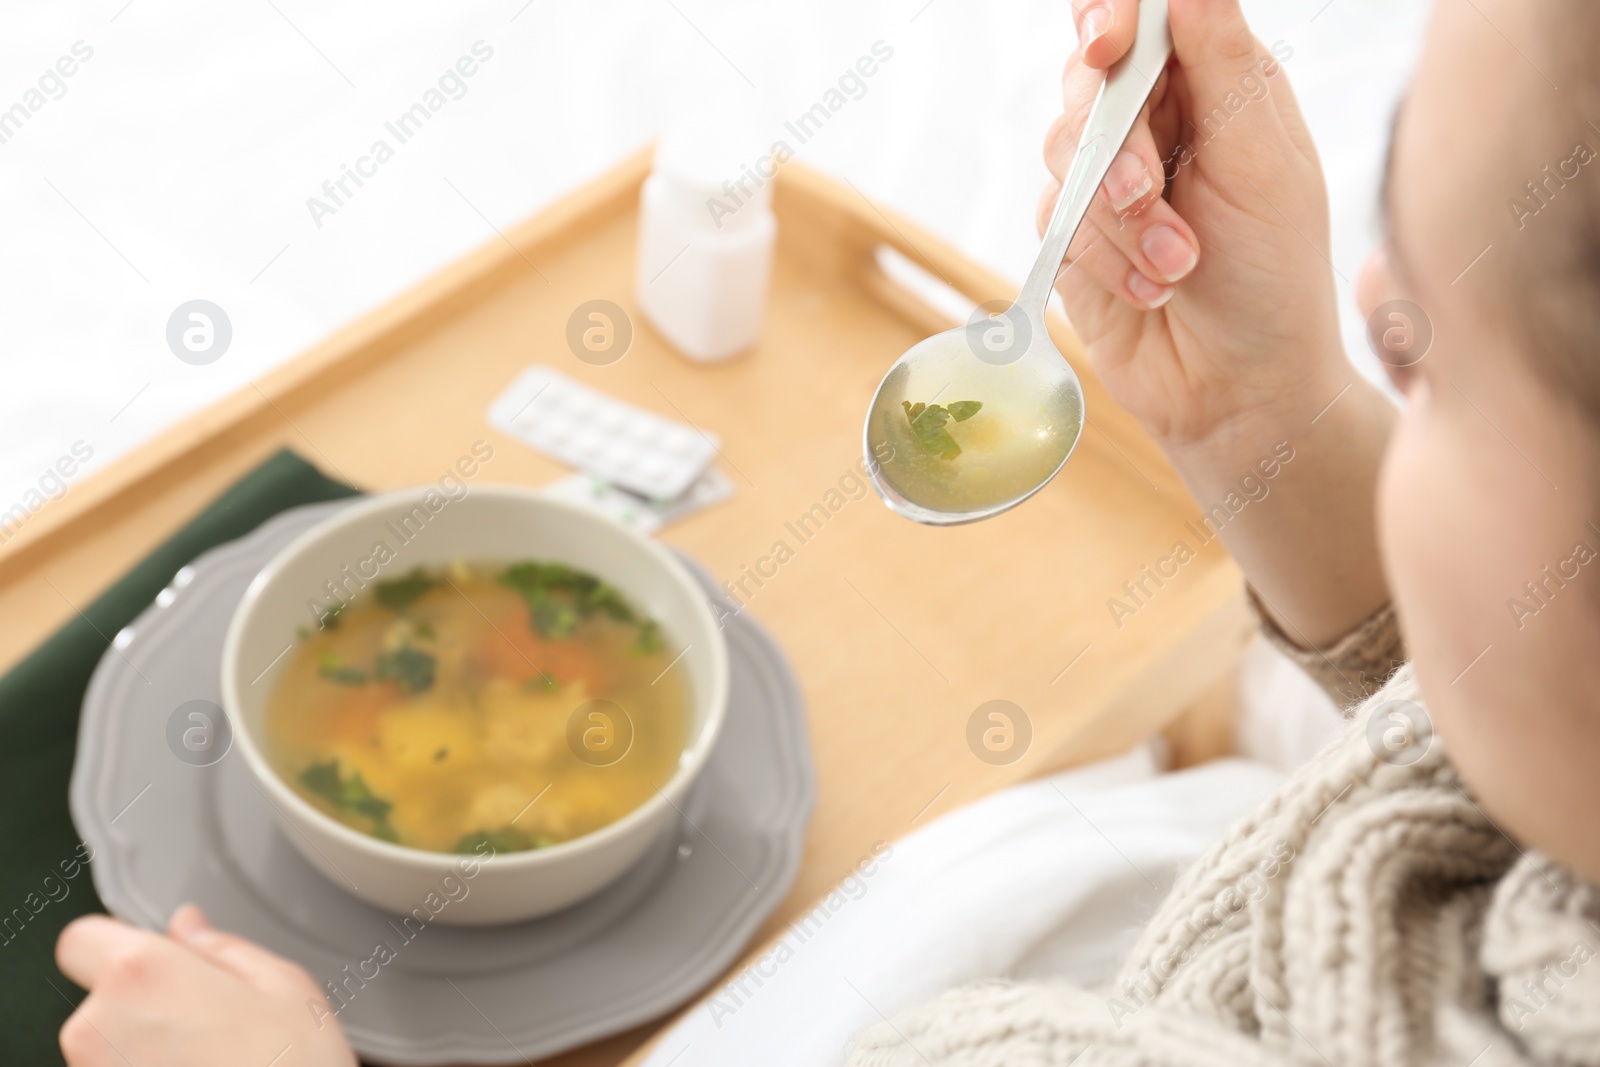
{"points": [[706, 231]]}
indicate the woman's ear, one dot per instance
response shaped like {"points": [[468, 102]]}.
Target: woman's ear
{"points": [[1375, 284]]}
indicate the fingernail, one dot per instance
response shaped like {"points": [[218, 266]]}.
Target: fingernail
{"points": [[1152, 294], [1128, 182], [1169, 253], [1096, 21], [186, 921]]}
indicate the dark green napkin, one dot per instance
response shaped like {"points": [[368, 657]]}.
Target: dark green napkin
{"points": [[39, 702]]}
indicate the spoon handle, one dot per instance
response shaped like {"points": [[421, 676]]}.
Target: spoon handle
{"points": [[1127, 86]]}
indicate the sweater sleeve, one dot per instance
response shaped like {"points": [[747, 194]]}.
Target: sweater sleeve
{"points": [[1051, 1025], [1353, 667]]}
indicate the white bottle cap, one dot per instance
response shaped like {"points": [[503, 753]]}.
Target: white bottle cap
{"points": [[716, 162]]}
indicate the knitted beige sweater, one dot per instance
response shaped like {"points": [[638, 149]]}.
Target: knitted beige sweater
{"points": [[1369, 913]]}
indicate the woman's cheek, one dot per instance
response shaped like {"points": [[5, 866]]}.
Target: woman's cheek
{"points": [[1403, 514], [1419, 534], [1451, 519]]}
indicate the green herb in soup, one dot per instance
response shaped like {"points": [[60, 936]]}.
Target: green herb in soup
{"points": [[400, 593], [967, 455], [559, 598], [409, 668], [928, 421], [505, 839], [441, 710], [331, 667], [348, 795]]}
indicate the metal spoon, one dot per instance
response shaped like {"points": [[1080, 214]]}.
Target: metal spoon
{"points": [[1011, 352]]}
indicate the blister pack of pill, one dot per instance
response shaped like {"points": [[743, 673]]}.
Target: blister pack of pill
{"points": [[655, 457], [633, 510]]}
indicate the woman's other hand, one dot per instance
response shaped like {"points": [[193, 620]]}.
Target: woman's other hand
{"points": [[194, 998]]}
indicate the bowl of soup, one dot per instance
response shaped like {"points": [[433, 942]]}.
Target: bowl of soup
{"points": [[486, 707]]}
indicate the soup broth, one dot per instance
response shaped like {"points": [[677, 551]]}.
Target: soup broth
{"points": [[517, 707], [964, 445]]}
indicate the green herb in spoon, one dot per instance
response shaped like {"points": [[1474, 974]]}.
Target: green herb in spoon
{"points": [[928, 424]]}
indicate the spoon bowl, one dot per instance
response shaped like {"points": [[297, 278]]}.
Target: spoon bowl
{"points": [[1032, 403], [973, 421]]}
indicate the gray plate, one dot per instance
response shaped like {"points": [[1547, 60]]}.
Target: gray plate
{"points": [[165, 832]]}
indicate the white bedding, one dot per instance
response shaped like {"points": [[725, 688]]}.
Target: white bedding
{"points": [[1050, 879]]}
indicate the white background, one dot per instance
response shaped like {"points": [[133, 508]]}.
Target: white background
{"points": [[178, 162]]}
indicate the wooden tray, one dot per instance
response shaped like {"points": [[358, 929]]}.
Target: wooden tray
{"points": [[898, 632]]}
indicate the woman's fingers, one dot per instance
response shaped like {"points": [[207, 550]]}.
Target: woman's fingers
{"points": [[1158, 248], [196, 996], [1109, 267], [244, 959], [1223, 69], [1130, 186], [1105, 29], [1095, 260], [1129, 182], [92, 943], [1276, 83], [1128, 210], [1134, 217]]}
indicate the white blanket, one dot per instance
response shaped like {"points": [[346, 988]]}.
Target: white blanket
{"points": [[1049, 878]]}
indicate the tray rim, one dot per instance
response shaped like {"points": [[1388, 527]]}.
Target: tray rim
{"points": [[675, 988], [181, 449]]}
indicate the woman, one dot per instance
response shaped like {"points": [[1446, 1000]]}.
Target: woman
{"points": [[1428, 891]]}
